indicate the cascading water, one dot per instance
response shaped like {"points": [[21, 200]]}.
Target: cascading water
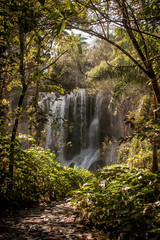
{"points": [[91, 154], [73, 127], [77, 125]]}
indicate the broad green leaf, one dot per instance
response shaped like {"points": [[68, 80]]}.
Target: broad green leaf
{"points": [[63, 26]]}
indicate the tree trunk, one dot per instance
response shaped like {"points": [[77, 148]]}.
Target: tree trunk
{"points": [[156, 91], [19, 107], [14, 133], [154, 165], [147, 66]]}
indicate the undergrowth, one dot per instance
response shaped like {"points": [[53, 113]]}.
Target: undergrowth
{"points": [[38, 177], [122, 202]]}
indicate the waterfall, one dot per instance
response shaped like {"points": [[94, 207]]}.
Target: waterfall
{"points": [[73, 119], [90, 155], [77, 124]]}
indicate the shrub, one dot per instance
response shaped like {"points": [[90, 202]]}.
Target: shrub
{"points": [[38, 176], [136, 154], [118, 200]]}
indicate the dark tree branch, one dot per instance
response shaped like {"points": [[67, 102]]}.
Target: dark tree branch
{"points": [[93, 33], [43, 69]]}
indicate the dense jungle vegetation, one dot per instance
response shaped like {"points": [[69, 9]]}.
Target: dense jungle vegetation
{"points": [[104, 46]]}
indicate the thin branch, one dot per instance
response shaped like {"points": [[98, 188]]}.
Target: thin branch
{"points": [[50, 79], [43, 69], [93, 33], [135, 30], [127, 66], [53, 62], [142, 37], [126, 24], [119, 22]]}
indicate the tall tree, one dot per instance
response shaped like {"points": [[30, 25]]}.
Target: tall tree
{"points": [[19, 19], [28, 30], [139, 20]]}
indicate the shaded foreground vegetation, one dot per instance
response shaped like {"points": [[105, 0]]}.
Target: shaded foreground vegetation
{"points": [[38, 177], [120, 201]]}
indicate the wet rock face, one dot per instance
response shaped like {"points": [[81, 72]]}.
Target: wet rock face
{"points": [[78, 125]]}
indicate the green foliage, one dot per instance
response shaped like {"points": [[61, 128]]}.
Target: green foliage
{"points": [[118, 76], [68, 70], [137, 153], [38, 176], [143, 122], [118, 201], [4, 138], [100, 72]]}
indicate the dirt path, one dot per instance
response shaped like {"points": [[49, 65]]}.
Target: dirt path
{"points": [[46, 222]]}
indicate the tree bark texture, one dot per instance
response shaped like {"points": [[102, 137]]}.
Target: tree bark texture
{"points": [[19, 107], [154, 165], [14, 133]]}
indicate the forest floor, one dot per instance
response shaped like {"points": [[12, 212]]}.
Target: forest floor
{"points": [[55, 220]]}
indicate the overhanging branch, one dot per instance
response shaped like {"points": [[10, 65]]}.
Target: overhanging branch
{"points": [[93, 33]]}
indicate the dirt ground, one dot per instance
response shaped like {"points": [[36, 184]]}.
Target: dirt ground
{"points": [[54, 221]]}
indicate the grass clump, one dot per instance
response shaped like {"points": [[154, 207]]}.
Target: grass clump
{"points": [[122, 202]]}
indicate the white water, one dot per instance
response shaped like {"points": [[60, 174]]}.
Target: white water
{"points": [[74, 104], [81, 121], [90, 155]]}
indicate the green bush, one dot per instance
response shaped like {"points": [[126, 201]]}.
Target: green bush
{"points": [[138, 153], [38, 176], [121, 201]]}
